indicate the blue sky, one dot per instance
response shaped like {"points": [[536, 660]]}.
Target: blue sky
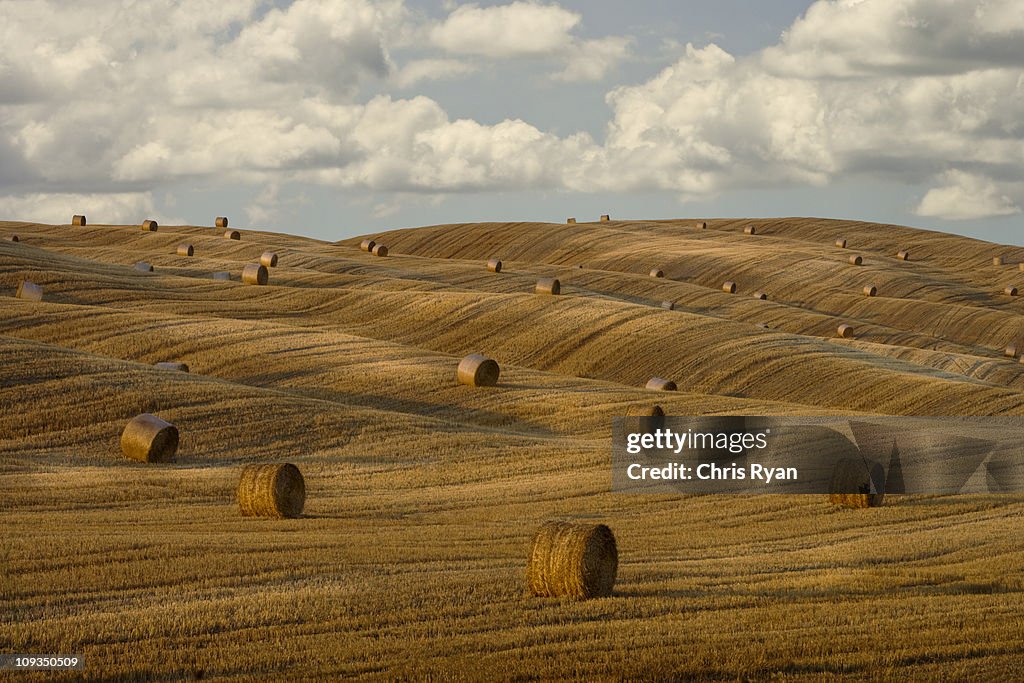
{"points": [[332, 118]]}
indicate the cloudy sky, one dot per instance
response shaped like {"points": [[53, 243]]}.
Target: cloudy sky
{"points": [[331, 118]]}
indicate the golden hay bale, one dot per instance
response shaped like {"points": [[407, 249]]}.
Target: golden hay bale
{"points": [[494, 265], [149, 225], [763, 326], [29, 291], [856, 260], [1010, 290], [997, 260], [570, 221], [255, 274], [729, 287], [760, 296], [750, 230], [645, 410], [1010, 351], [548, 285], [702, 225], [477, 370], [147, 438], [268, 259], [144, 267], [379, 250], [172, 365], [870, 290], [572, 559], [852, 486], [272, 490], [186, 250], [841, 243], [232, 235], [657, 272], [221, 275], [668, 305], [78, 219], [845, 331], [221, 222], [903, 255], [1020, 266], [605, 218], [367, 245], [13, 238], [659, 384]]}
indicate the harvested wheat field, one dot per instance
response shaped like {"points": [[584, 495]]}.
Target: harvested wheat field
{"points": [[423, 495]]}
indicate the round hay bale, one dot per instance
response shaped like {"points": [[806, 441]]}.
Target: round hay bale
{"points": [[572, 559], [144, 267], [841, 243], [997, 260], [570, 221], [494, 265], [272, 490], [379, 250], [548, 285], [1020, 266], [367, 245], [857, 483], [221, 222], [147, 438], [659, 384], [172, 365], [668, 305], [29, 291], [255, 274], [1010, 290], [856, 260], [870, 290], [186, 250], [149, 225], [702, 225], [729, 287], [221, 275], [232, 235], [903, 255], [657, 272], [13, 238], [750, 230], [477, 370], [761, 296], [605, 218], [845, 331], [78, 219], [763, 326], [645, 410], [1010, 351], [268, 259]]}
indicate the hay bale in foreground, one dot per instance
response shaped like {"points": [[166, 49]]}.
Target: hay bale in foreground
{"points": [[221, 222], [750, 230], [494, 265], [255, 274], [659, 384], [1010, 291], [845, 331], [149, 225], [1010, 351], [367, 245], [144, 267], [997, 260], [271, 490], [857, 483], [13, 238], [548, 285], [645, 410], [702, 225], [185, 250], [903, 255], [572, 559], [657, 272], [29, 291], [668, 305], [856, 260], [147, 438], [870, 290], [841, 243], [1020, 266], [232, 235], [570, 221], [605, 218], [379, 250], [78, 219], [477, 370], [729, 287], [172, 365], [268, 259], [761, 296], [221, 275]]}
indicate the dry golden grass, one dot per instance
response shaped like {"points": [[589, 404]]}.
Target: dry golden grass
{"points": [[423, 495]]}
